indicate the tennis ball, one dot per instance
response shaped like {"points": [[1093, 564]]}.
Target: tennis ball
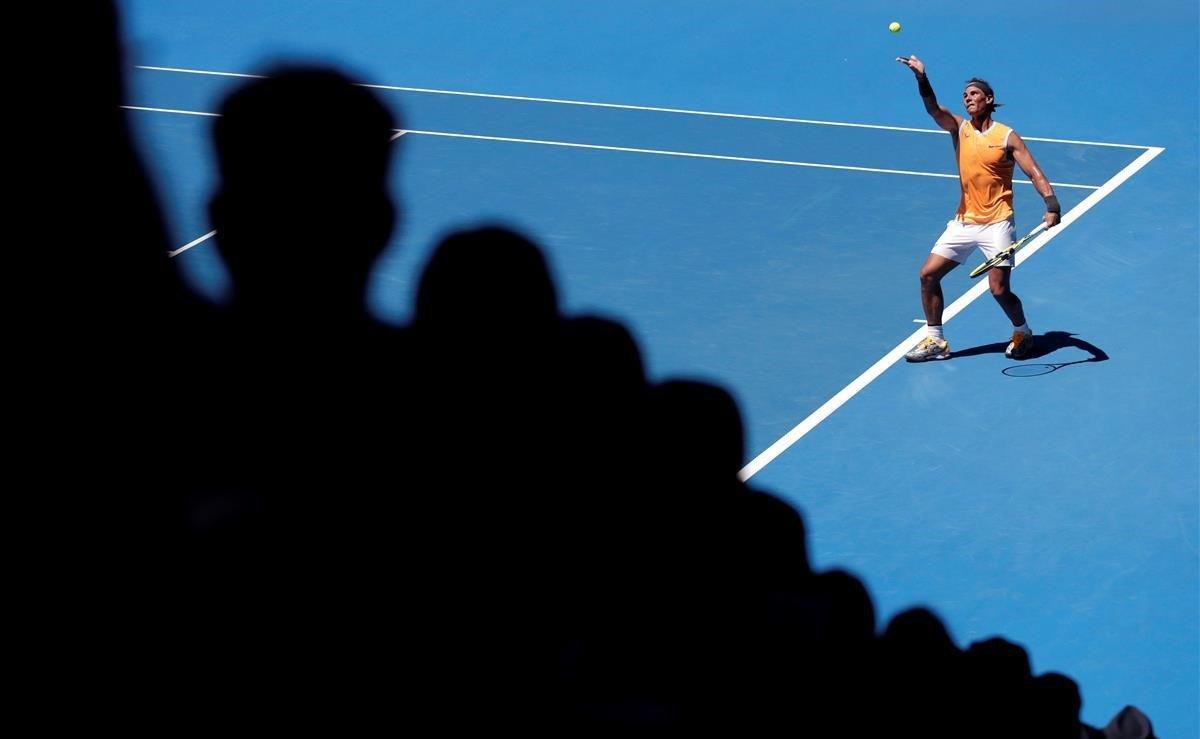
{"points": [[894, 27]]}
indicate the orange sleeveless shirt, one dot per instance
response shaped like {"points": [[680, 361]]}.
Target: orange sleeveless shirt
{"points": [[985, 172]]}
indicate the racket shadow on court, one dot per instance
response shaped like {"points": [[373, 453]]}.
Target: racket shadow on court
{"points": [[1045, 345]]}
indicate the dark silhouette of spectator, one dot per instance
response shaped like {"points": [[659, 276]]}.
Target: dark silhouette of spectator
{"points": [[699, 435], [997, 676], [89, 296], [302, 210], [603, 446], [88, 276], [1055, 703], [485, 329], [304, 206], [920, 667], [485, 326], [1129, 723], [301, 491], [484, 285], [1054, 709]]}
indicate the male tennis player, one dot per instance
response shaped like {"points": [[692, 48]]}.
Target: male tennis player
{"points": [[985, 151]]}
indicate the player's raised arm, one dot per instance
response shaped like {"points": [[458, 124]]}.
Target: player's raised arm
{"points": [[1024, 159], [944, 118]]}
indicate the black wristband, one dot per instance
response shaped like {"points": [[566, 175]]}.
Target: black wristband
{"points": [[923, 86], [1052, 205]]}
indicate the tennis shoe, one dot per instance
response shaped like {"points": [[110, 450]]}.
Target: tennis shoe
{"points": [[1020, 346], [929, 348]]}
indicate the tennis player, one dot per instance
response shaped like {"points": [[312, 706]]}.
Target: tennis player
{"points": [[985, 151]]}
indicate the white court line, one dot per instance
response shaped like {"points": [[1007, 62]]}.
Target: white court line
{"points": [[170, 110], [620, 106], [190, 244], [660, 152], [837, 401], [721, 157]]}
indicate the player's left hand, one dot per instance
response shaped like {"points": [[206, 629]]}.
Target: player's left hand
{"points": [[1051, 219], [913, 63]]}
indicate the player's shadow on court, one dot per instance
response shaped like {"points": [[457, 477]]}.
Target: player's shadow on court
{"points": [[1045, 345]]}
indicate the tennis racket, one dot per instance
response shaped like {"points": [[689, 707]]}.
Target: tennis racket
{"points": [[1007, 253]]}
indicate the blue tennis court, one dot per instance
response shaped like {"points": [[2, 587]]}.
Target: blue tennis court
{"points": [[752, 190]]}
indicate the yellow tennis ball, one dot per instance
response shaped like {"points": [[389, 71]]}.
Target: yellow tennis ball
{"points": [[894, 27]]}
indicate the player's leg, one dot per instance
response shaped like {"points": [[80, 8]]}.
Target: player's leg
{"points": [[934, 345], [1000, 282], [932, 301], [998, 238], [951, 249]]}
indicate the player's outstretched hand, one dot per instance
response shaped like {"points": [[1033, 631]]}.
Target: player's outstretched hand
{"points": [[913, 63]]}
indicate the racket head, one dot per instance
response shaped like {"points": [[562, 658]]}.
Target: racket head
{"points": [[988, 264], [1007, 253]]}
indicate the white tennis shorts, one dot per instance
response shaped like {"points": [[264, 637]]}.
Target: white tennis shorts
{"points": [[960, 239]]}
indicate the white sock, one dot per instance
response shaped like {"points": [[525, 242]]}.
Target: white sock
{"points": [[1023, 328], [935, 332]]}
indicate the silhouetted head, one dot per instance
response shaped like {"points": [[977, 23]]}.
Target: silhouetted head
{"points": [[1129, 723], [602, 356], [599, 398], [489, 282], [999, 661], [303, 207], [852, 619], [997, 679], [1056, 704], [919, 634], [771, 540], [699, 429], [920, 669]]}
